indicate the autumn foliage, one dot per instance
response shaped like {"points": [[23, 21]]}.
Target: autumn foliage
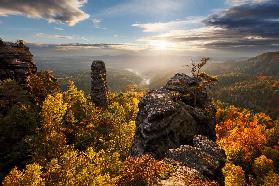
{"points": [[62, 138], [250, 142], [143, 170]]}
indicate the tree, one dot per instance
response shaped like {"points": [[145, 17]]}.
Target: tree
{"points": [[42, 84], [204, 80], [19, 118]]}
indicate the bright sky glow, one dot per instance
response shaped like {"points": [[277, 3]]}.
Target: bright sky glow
{"points": [[136, 25]]}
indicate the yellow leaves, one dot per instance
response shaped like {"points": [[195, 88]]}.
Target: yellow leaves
{"points": [[31, 176], [13, 179], [234, 175], [72, 168], [262, 165], [272, 179], [53, 110], [41, 84], [70, 122]]}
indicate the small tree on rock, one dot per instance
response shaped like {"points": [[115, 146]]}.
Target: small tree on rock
{"points": [[205, 80]]}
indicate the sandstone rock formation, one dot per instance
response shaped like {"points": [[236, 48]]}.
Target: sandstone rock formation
{"points": [[16, 61], [99, 88], [167, 118], [171, 124], [205, 156]]}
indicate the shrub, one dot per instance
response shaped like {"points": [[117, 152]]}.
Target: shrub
{"points": [[143, 170], [271, 179], [71, 168], [262, 166], [30, 176], [42, 84], [234, 175]]}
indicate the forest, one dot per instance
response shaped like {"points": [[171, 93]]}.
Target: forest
{"points": [[59, 137]]}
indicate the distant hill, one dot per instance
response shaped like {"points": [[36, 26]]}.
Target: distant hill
{"points": [[264, 64], [253, 83]]}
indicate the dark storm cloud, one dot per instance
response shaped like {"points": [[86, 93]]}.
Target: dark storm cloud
{"points": [[245, 43], [247, 26], [259, 19], [62, 11], [252, 24]]}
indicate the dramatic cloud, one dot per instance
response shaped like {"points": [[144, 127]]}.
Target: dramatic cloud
{"points": [[62, 11], [52, 36], [252, 26], [261, 19], [189, 22]]}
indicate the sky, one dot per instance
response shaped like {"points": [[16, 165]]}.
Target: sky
{"points": [[112, 27]]}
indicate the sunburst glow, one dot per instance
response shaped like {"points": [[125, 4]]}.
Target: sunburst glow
{"points": [[162, 45]]}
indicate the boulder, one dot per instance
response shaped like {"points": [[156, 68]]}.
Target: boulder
{"points": [[205, 156]]}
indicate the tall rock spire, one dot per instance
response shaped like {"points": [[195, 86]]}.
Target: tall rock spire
{"points": [[99, 88]]}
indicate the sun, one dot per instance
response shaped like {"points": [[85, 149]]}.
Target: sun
{"points": [[162, 45]]}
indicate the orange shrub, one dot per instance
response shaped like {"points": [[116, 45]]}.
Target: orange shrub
{"points": [[143, 170], [240, 133]]}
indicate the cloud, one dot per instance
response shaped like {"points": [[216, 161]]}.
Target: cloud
{"points": [[125, 47], [247, 26], [53, 36], [62, 11], [145, 7], [84, 39], [58, 28], [239, 2], [97, 23], [260, 19], [165, 26]]}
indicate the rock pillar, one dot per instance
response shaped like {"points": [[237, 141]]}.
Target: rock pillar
{"points": [[99, 88]]}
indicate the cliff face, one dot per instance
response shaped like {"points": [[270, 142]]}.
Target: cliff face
{"points": [[16, 61]]}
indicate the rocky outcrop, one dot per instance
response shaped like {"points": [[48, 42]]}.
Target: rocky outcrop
{"points": [[205, 156], [168, 118], [99, 88], [174, 122], [16, 61]]}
